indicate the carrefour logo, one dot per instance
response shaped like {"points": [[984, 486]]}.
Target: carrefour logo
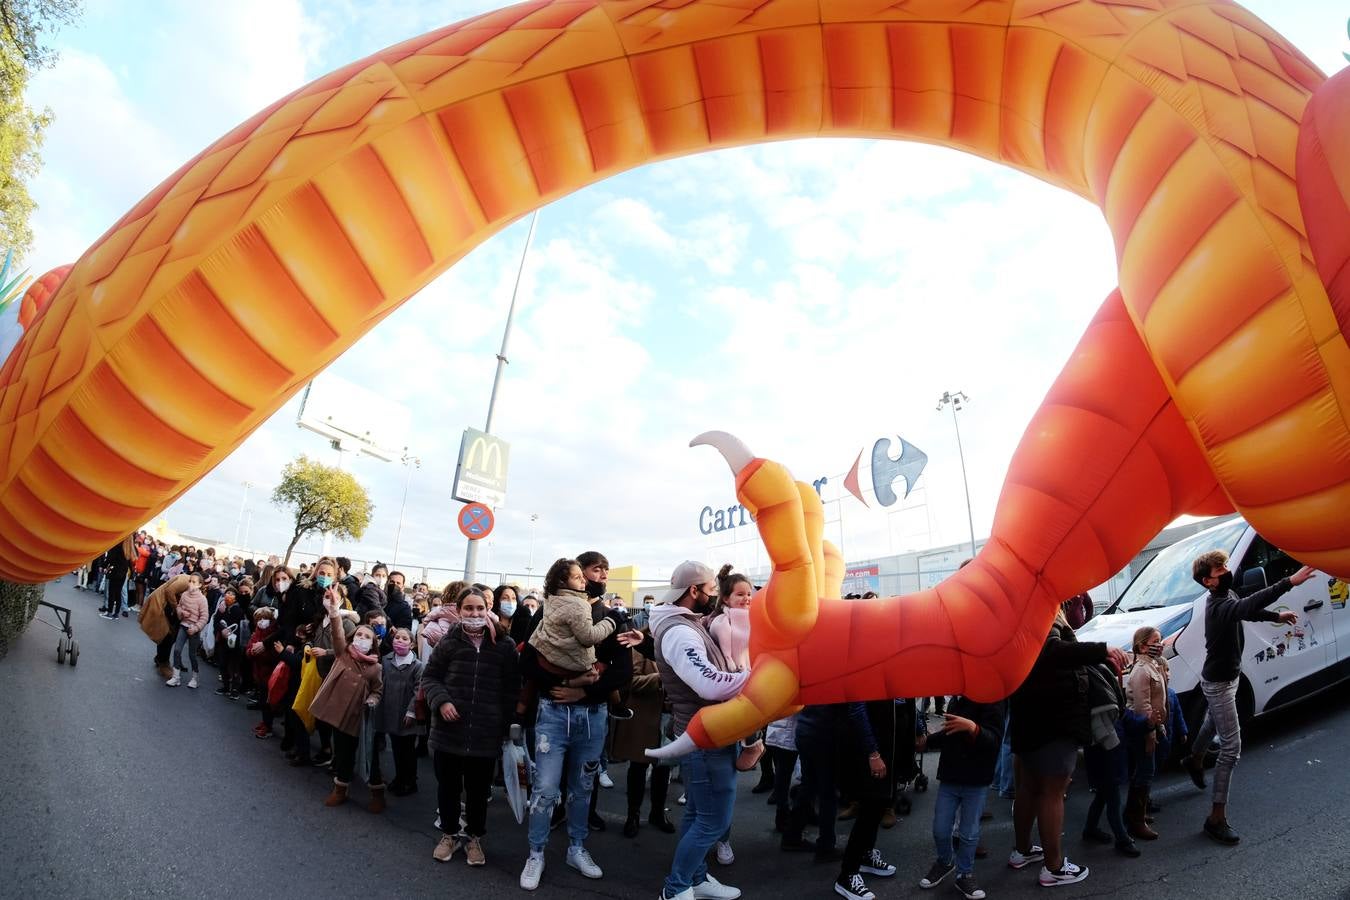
{"points": [[885, 468]]}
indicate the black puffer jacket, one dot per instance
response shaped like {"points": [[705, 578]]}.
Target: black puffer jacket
{"points": [[301, 605], [1052, 704], [482, 682]]}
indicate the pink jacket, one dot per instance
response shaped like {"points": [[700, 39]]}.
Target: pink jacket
{"points": [[436, 623], [731, 630], [192, 611]]}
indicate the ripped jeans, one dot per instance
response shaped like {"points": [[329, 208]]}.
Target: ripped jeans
{"points": [[567, 736]]}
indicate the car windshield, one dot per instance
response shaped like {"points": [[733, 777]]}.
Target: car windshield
{"points": [[1166, 580]]}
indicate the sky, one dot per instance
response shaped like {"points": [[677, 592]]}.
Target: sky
{"points": [[810, 297]]}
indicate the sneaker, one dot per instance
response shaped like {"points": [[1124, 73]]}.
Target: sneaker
{"points": [[473, 852], [324, 758], [534, 867], [193, 683], [1019, 860], [1068, 873], [222, 691], [1222, 832], [1128, 848], [232, 695], [447, 848], [579, 858], [681, 800], [937, 872], [712, 889], [725, 855], [873, 864], [853, 887], [175, 681], [605, 780], [968, 887]]}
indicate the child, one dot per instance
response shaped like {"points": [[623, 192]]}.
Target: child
{"points": [[353, 684], [566, 637], [396, 717], [969, 743], [262, 657], [192, 618], [230, 619]]}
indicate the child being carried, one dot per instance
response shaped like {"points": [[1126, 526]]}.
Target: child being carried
{"points": [[566, 637]]}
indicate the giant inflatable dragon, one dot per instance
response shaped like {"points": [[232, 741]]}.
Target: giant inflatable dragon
{"points": [[1217, 377]]}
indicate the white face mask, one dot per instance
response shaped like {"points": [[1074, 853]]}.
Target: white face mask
{"points": [[380, 581], [362, 644], [474, 623], [283, 586], [263, 623]]}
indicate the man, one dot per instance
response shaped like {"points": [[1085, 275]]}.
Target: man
{"points": [[694, 674], [570, 729], [1219, 677], [397, 609], [347, 579]]}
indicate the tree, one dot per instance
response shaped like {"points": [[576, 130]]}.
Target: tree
{"points": [[324, 498], [24, 25]]}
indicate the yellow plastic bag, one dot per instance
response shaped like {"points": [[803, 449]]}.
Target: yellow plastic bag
{"points": [[309, 686]]}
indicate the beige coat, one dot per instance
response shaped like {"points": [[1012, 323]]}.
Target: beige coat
{"points": [[1146, 685], [342, 697], [153, 618], [629, 738], [566, 636]]}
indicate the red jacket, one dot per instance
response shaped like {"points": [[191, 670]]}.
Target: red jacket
{"points": [[264, 660]]}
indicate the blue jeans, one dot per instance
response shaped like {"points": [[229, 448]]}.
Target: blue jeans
{"points": [[710, 794], [568, 738], [968, 802], [1003, 771]]}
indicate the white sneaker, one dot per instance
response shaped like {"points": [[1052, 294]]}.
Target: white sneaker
{"points": [[681, 800], [605, 780], [712, 889], [580, 859], [534, 867], [1020, 860], [686, 894], [725, 856], [193, 682], [1068, 873], [174, 681]]}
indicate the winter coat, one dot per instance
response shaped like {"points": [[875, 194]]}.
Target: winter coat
{"points": [[629, 738], [341, 699], [369, 599], [1106, 768], [159, 616], [398, 610], [399, 696], [225, 617], [731, 630], [436, 623], [260, 654], [192, 610], [967, 760], [1052, 703], [323, 639], [523, 624], [567, 636], [301, 605], [1146, 686], [482, 682]]}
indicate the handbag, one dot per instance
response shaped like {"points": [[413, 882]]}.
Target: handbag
{"points": [[309, 686], [277, 684]]}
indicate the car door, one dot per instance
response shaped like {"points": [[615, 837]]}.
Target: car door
{"points": [[1285, 662]]}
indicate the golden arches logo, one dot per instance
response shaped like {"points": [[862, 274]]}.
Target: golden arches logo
{"points": [[491, 455]]}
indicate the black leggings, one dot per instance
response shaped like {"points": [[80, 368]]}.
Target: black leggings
{"points": [[344, 755], [404, 748], [637, 782], [784, 761], [115, 582], [473, 776], [296, 737]]}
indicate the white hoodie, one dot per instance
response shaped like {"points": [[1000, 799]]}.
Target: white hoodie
{"points": [[683, 651]]}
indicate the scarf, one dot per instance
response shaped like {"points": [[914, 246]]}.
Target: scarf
{"points": [[362, 657]]}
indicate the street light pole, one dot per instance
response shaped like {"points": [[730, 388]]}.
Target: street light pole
{"points": [[955, 401], [471, 553], [240, 521], [410, 462], [529, 569]]}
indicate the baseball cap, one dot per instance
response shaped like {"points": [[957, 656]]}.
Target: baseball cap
{"points": [[686, 575]]}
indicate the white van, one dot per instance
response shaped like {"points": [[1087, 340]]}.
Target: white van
{"points": [[1281, 663]]}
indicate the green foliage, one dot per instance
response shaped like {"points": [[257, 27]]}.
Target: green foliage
{"points": [[324, 498]]}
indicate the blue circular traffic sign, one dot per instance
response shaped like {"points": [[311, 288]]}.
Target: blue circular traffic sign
{"points": [[475, 521]]}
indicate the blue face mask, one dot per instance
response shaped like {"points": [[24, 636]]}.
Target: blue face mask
{"points": [[324, 581], [508, 608], [379, 631]]}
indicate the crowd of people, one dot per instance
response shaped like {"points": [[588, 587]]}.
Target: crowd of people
{"points": [[365, 662]]}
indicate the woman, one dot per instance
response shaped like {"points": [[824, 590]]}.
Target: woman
{"points": [[353, 686], [506, 601], [117, 563], [1049, 722], [629, 738], [472, 682], [1146, 692]]}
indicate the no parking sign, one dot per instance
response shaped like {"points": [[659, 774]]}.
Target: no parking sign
{"points": [[476, 521]]}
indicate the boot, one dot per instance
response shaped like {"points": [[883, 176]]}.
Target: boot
{"points": [[630, 825], [1149, 808], [888, 819], [765, 775], [1134, 816], [376, 798], [339, 795], [782, 819]]}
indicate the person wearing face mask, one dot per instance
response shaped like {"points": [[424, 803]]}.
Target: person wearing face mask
{"points": [[262, 656], [1146, 692], [472, 682], [1225, 612], [321, 648], [396, 717], [506, 600], [696, 673], [354, 683], [302, 602], [397, 609], [229, 621], [377, 623], [372, 597]]}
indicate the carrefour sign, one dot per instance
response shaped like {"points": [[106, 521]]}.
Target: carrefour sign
{"points": [[711, 521]]}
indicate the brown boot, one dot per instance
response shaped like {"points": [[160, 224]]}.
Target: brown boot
{"points": [[1134, 816], [164, 672], [376, 798], [888, 819], [339, 795]]}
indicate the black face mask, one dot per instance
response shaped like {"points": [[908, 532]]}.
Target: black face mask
{"points": [[1225, 584], [595, 589]]}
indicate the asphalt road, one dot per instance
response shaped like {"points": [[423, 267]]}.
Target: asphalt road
{"points": [[121, 787]]}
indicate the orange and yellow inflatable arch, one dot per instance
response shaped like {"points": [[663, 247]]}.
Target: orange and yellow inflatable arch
{"points": [[1218, 375]]}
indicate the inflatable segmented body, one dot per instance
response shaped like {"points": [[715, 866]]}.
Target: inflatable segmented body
{"points": [[1216, 377]]}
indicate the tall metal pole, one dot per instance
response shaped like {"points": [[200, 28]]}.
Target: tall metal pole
{"points": [[471, 553], [240, 521], [529, 569], [954, 400], [410, 462]]}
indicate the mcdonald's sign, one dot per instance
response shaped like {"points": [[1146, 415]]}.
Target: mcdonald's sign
{"points": [[480, 476]]}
